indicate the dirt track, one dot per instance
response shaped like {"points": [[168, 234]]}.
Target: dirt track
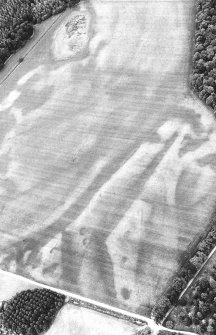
{"points": [[107, 162]]}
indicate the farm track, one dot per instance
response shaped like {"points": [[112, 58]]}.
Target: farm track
{"points": [[13, 62], [107, 161], [190, 283]]}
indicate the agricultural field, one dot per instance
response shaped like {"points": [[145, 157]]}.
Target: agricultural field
{"points": [[76, 320], [107, 161], [33, 304], [10, 286]]}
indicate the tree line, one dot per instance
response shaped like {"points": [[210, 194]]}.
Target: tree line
{"points": [[203, 78], [186, 273], [17, 20]]}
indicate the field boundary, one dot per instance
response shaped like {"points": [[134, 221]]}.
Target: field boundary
{"points": [[80, 301], [17, 64]]}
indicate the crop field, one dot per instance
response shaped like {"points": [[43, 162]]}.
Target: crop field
{"points": [[9, 286], [70, 318], [107, 161], [78, 320]]}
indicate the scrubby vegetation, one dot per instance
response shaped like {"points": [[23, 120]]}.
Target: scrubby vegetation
{"points": [[199, 310], [186, 273], [17, 20], [145, 331], [165, 332], [203, 79], [203, 83], [30, 312]]}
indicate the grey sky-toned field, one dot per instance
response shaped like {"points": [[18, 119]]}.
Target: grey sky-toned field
{"points": [[107, 162]]}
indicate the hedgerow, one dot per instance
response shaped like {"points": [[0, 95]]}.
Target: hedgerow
{"points": [[203, 84], [17, 20], [203, 78], [186, 273]]}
